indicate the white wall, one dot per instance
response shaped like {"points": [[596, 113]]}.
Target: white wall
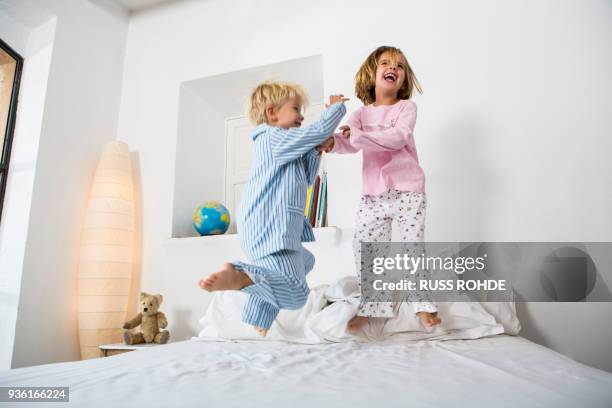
{"points": [[81, 108], [199, 172], [35, 45], [513, 129], [204, 106]]}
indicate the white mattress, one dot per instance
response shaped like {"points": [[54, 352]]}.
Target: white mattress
{"points": [[500, 371]]}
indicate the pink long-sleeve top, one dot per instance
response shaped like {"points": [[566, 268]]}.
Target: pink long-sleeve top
{"points": [[384, 134]]}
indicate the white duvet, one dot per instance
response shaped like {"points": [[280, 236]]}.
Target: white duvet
{"points": [[329, 307], [498, 371], [329, 368]]}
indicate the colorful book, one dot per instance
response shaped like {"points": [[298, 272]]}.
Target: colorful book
{"points": [[308, 202], [319, 202], [324, 209], [322, 201], [311, 201], [313, 211], [325, 217]]}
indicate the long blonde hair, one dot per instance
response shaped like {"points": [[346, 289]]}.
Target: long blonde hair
{"points": [[365, 79]]}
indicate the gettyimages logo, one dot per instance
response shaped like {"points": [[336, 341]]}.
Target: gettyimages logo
{"points": [[413, 263], [481, 271]]}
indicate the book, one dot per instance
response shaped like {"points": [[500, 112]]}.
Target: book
{"points": [[313, 211], [319, 202], [322, 207], [308, 202]]}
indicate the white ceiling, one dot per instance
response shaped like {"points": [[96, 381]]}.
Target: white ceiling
{"points": [[25, 13], [134, 5]]}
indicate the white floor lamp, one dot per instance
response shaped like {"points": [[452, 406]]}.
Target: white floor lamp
{"points": [[105, 266]]}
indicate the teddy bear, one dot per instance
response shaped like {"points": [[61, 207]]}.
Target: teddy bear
{"points": [[150, 320]]}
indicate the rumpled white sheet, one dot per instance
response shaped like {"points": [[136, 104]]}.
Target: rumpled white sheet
{"points": [[498, 371], [329, 307]]}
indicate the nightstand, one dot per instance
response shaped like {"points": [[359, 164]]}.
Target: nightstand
{"points": [[118, 348]]}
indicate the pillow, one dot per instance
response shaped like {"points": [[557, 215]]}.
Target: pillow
{"points": [[222, 320], [504, 314], [460, 320], [320, 321]]}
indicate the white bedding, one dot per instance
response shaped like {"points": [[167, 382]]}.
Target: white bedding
{"points": [[500, 371], [324, 317]]}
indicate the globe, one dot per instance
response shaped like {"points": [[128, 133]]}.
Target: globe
{"points": [[211, 218]]}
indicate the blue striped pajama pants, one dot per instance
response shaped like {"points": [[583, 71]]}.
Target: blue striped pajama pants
{"points": [[279, 282]]}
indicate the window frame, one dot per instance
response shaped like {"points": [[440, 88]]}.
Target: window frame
{"points": [[5, 155]]}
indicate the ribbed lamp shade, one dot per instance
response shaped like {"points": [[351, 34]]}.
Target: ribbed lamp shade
{"points": [[105, 265]]}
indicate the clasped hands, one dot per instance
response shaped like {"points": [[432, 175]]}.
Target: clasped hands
{"points": [[328, 144]]}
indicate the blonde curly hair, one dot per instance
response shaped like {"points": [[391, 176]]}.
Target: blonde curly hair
{"points": [[272, 93], [365, 79]]}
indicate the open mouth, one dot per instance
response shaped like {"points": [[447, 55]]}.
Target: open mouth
{"points": [[390, 77]]}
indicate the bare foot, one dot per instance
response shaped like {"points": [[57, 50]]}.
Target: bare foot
{"points": [[429, 319], [226, 278], [262, 332], [356, 324]]}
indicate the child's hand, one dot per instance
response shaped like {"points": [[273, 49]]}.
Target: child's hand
{"points": [[346, 131], [326, 146], [336, 99]]}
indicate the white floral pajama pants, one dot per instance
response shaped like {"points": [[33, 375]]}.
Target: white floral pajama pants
{"points": [[374, 222]]}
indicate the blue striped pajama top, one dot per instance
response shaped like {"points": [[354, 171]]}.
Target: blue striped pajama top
{"points": [[285, 161]]}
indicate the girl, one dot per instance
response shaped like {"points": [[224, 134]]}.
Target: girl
{"points": [[393, 181]]}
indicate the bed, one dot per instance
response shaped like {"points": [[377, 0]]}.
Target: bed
{"points": [[501, 371], [309, 361]]}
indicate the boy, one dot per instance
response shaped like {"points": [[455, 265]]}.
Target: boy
{"points": [[271, 218]]}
